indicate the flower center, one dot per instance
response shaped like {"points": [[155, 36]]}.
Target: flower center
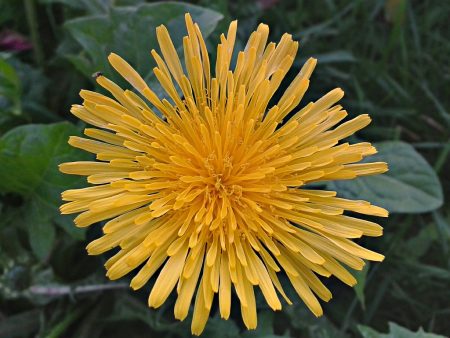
{"points": [[221, 189]]}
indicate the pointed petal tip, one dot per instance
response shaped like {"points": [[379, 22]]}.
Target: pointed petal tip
{"points": [[381, 212], [151, 302], [197, 328], [340, 92], [225, 316], [319, 313], [196, 332], [81, 93], [133, 287], [89, 249]]}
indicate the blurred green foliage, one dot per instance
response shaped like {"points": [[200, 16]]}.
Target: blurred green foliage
{"points": [[390, 57]]}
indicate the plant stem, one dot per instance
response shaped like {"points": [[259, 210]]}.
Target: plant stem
{"points": [[62, 326], [67, 290], [30, 10]]}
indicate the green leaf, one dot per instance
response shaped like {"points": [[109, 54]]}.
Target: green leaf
{"points": [[361, 283], [130, 32], [410, 185], [30, 156], [21, 99], [417, 246], [302, 319], [265, 328], [219, 328], [336, 56], [395, 331], [10, 89], [41, 231], [93, 6], [430, 271], [368, 332], [443, 229], [65, 222], [34, 98]]}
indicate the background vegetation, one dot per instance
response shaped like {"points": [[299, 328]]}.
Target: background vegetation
{"points": [[390, 56]]}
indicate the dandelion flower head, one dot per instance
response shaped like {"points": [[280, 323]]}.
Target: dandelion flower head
{"points": [[204, 188]]}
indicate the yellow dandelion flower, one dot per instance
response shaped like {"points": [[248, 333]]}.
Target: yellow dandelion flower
{"points": [[211, 197]]}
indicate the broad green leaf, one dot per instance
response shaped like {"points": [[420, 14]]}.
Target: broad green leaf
{"points": [[410, 185], [30, 156], [395, 331], [130, 32]]}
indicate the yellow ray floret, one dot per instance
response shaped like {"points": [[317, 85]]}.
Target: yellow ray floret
{"points": [[211, 198]]}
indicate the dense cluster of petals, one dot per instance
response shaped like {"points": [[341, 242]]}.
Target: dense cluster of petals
{"points": [[205, 188]]}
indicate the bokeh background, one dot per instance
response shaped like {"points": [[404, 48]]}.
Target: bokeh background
{"points": [[391, 57]]}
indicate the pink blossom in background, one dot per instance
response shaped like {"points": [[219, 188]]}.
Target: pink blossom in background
{"points": [[13, 41]]}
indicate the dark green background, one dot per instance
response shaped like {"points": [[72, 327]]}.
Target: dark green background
{"points": [[391, 57]]}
